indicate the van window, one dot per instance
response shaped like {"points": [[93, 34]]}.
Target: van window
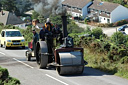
{"points": [[13, 34]]}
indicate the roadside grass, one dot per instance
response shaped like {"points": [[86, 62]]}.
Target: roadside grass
{"points": [[101, 62]]}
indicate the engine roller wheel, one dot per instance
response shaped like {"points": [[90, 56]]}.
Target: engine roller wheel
{"points": [[72, 68], [42, 60]]}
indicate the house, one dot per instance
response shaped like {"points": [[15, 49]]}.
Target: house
{"points": [[77, 8], [7, 18], [106, 12]]}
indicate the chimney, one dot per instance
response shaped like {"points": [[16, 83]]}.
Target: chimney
{"points": [[64, 25], [2, 13]]}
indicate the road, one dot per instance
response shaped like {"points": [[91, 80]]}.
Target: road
{"points": [[109, 31], [29, 73]]}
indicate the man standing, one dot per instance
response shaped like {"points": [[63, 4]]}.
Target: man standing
{"points": [[35, 39]]}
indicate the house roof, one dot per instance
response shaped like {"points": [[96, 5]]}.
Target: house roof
{"points": [[9, 18], [104, 6], [76, 3]]}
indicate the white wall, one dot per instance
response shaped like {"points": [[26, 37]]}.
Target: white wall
{"points": [[119, 13], [75, 14], [104, 19], [20, 25]]}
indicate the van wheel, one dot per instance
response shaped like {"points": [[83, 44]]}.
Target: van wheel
{"points": [[23, 47], [0, 44], [5, 45]]}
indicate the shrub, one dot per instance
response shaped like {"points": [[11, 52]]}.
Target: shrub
{"points": [[5, 79], [3, 73], [118, 38], [97, 32], [119, 23], [124, 60], [88, 30]]}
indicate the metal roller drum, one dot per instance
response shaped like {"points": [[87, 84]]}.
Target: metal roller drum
{"points": [[71, 63]]}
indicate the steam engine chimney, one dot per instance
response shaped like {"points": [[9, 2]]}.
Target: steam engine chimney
{"points": [[64, 25], [2, 13]]}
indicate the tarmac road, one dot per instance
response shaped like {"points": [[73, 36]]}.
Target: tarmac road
{"points": [[107, 31], [29, 73]]}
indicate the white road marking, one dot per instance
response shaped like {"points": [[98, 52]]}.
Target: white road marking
{"points": [[23, 63], [57, 79], [2, 53]]}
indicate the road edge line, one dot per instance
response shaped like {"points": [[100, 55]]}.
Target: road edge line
{"points": [[2, 53], [57, 79], [22, 63]]}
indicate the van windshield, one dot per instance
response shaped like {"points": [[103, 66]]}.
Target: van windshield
{"points": [[13, 34]]}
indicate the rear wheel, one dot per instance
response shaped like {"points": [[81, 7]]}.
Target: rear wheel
{"points": [[42, 60]]}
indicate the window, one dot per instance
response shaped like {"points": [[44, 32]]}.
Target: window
{"points": [[108, 20]]}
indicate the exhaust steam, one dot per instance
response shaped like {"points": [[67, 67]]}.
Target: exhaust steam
{"points": [[47, 7]]}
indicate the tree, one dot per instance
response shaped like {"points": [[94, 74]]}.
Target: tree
{"points": [[23, 6], [56, 20], [0, 5], [41, 19], [35, 15], [9, 5]]}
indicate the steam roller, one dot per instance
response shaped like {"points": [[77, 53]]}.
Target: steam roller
{"points": [[67, 59]]}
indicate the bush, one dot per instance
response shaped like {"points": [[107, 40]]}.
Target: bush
{"points": [[3, 73], [97, 32], [119, 23], [74, 28], [124, 60], [5, 79], [118, 38]]}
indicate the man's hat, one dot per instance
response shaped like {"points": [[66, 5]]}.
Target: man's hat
{"points": [[34, 20]]}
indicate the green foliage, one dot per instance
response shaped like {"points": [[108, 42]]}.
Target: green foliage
{"points": [[35, 15], [74, 28], [119, 23], [23, 6], [41, 19], [88, 30], [118, 38], [85, 21], [56, 20], [122, 2], [3, 73], [11, 81], [124, 60], [9, 5], [27, 34], [5, 79], [97, 32], [0, 5]]}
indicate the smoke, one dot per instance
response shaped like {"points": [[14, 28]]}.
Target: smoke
{"points": [[47, 7]]}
